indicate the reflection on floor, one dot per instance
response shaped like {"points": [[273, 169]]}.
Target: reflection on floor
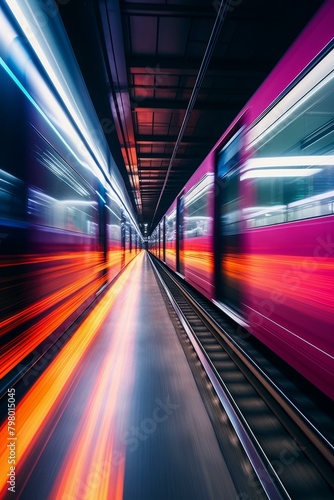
{"points": [[117, 413]]}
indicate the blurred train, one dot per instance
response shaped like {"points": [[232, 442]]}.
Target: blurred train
{"points": [[67, 226], [253, 229]]}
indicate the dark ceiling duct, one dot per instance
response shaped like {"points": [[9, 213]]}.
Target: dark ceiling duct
{"points": [[221, 14]]}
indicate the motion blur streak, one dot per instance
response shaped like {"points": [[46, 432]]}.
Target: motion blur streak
{"points": [[199, 261], [41, 402], [306, 285], [70, 267], [67, 300], [95, 449]]}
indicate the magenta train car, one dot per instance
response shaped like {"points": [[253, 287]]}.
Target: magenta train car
{"points": [[261, 243], [197, 222], [170, 238]]}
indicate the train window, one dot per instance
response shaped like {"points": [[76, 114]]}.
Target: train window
{"points": [[171, 236], [12, 157], [58, 197], [180, 209], [12, 196], [113, 221], [292, 172], [196, 220], [126, 232], [123, 230], [161, 240], [228, 185], [127, 235], [228, 237], [164, 239], [171, 227]]}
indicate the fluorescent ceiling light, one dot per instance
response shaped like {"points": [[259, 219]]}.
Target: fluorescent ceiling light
{"points": [[289, 161], [199, 189], [25, 16], [279, 172], [78, 202], [314, 80]]}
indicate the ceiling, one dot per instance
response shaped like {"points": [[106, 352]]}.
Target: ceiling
{"points": [[168, 76]]}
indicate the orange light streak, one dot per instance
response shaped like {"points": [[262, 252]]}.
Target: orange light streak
{"points": [[52, 273], [95, 441], [199, 260], [68, 298], [302, 289], [47, 393]]}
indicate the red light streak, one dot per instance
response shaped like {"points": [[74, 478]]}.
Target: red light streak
{"points": [[97, 437]]}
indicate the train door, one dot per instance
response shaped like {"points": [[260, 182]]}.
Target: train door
{"points": [[123, 238], [103, 228], [161, 240], [179, 234], [164, 239], [228, 237]]}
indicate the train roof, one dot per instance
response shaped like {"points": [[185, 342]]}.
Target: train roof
{"points": [[315, 37]]}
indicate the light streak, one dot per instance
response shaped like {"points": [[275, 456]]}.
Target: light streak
{"points": [[63, 286], [42, 401]]}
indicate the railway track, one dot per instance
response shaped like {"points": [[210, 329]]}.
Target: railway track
{"points": [[285, 428]]}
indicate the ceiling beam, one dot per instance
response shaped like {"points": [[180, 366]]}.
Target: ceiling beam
{"points": [[170, 139], [159, 177], [159, 169], [173, 105], [168, 66], [164, 156], [170, 10]]}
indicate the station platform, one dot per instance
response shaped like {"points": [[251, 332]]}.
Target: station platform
{"points": [[117, 413]]}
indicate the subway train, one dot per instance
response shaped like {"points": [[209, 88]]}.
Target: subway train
{"points": [[253, 228], [67, 225]]}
